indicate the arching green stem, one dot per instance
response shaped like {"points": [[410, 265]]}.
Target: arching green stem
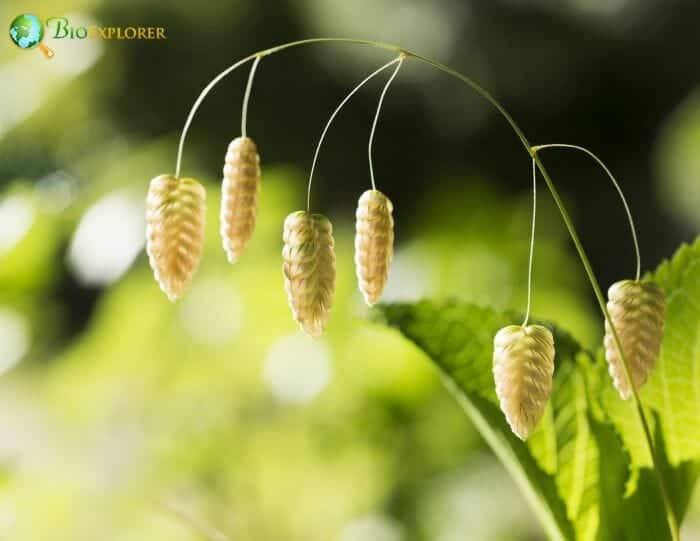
{"points": [[670, 514], [673, 523], [260, 54]]}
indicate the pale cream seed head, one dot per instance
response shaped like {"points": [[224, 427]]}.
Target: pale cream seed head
{"points": [[239, 196], [309, 269], [175, 217], [374, 243], [637, 310], [523, 367]]}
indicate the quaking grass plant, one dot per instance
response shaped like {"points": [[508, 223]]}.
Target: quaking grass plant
{"points": [[523, 355]]}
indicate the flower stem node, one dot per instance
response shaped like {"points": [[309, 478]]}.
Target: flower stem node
{"points": [[239, 196], [523, 366], [374, 243], [175, 216], [637, 313], [309, 269]]}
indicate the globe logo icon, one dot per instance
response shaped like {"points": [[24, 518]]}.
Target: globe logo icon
{"points": [[26, 31]]}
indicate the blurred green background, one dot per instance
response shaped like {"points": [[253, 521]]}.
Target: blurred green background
{"points": [[127, 418]]}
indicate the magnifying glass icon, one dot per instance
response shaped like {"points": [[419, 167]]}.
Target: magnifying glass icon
{"points": [[27, 32]]}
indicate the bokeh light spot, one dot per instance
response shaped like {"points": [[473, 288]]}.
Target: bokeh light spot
{"points": [[297, 368], [14, 338], [108, 239], [410, 276], [16, 217], [56, 191], [374, 527], [679, 160], [212, 312]]}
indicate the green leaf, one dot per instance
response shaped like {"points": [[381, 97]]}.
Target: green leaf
{"points": [[673, 390], [586, 469], [559, 469], [671, 397]]}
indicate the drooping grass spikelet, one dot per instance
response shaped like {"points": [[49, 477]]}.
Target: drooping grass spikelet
{"points": [[374, 243], [175, 214], [523, 366], [637, 312], [309, 269], [239, 195]]}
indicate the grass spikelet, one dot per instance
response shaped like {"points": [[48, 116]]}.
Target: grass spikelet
{"points": [[239, 195], [637, 312], [523, 366], [175, 214], [309, 269], [374, 243]]}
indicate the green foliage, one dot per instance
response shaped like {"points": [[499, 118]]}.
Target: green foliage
{"points": [[674, 387], [587, 451], [154, 403]]}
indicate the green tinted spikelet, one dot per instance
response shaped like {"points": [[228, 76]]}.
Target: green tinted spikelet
{"points": [[175, 214], [523, 366], [309, 269], [374, 243], [637, 312], [239, 195]]}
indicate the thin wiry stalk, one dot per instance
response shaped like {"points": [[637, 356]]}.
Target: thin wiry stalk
{"points": [[198, 102], [332, 118], [672, 521], [600, 162], [532, 243], [246, 96], [233, 67], [376, 118], [670, 515]]}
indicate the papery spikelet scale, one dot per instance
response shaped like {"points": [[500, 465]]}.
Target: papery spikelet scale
{"points": [[309, 269], [175, 214], [637, 312], [374, 243], [523, 366], [239, 195]]}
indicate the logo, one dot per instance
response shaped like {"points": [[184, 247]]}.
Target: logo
{"points": [[27, 32]]}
